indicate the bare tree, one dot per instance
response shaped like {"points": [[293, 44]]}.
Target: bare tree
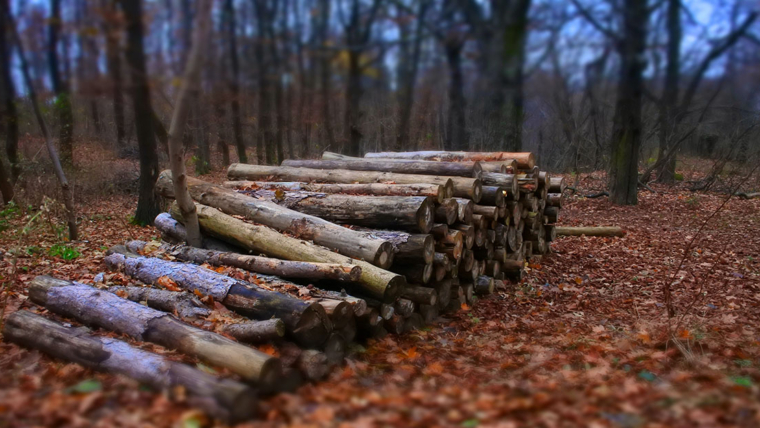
{"points": [[60, 85], [8, 113], [234, 80]]}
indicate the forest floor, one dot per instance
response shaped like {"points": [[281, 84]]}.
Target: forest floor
{"points": [[584, 340]]}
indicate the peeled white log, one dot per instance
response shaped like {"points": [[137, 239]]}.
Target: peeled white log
{"points": [[525, 160]]}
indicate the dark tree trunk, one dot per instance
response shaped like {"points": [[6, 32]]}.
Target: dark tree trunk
{"points": [[408, 66], [6, 188], [113, 59], [265, 153], [325, 72], [60, 86], [627, 127], [353, 113], [147, 203], [669, 103], [456, 131], [8, 111], [229, 15]]}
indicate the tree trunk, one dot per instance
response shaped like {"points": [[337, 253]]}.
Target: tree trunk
{"points": [[408, 65], [669, 102], [627, 126], [8, 112], [6, 188], [458, 137], [463, 187], [264, 265], [374, 282], [147, 202], [436, 191], [182, 106], [304, 226], [460, 169], [102, 309], [60, 86], [229, 17], [306, 322], [222, 398]]}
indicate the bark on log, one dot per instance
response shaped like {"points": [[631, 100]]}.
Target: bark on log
{"points": [[415, 274], [374, 282], [413, 322], [493, 195], [436, 191], [306, 322], [313, 364], [102, 309], [454, 169], [525, 160], [395, 325], [508, 166], [408, 247], [552, 213], [557, 185], [403, 307], [184, 305], [484, 285], [554, 200], [508, 182], [336, 346], [263, 265], [447, 211], [493, 268], [303, 226], [421, 295], [439, 230], [429, 313], [443, 290], [469, 234], [465, 209], [222, 398], [175, 232], [551, 233], [590, 231], [392, 212], [256, 331]]}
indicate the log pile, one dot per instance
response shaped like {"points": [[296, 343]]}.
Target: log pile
{"points": [[310, 256]]}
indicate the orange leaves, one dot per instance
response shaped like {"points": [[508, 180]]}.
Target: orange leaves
{"points": [[433, 369], [269, 350], [168, 283], [411, 353], [644, 338], [465, 307]]}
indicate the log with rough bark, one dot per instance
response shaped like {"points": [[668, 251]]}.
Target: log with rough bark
{"points": [[301, 225], [185, 305], [552, 213], [493, 195], [557, 185], [416, 274], [443, 290], [551, 232], [413, 322], [508, 182], [174, 231], [464, 210], [436, 191], [429, 313], [306, 322], [419, 248], [490, 212], [393, 212], [507, 166], [484, 285], [421, 295], [264, 265], [453, 169], [468, 232], [525, 160], [256, 331], [374, 282], [590, 231], [403, 307], [554, 200], [447, 211], [106, 310], [222, 398]]}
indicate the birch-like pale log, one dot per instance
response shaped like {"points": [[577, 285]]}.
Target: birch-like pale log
{"points": [[463, 187], [221, 398], [374, 282], [305, 321], [437, 191], [453, 169], [263, 265], [607, 231], [525, 160], [301, 225], [99, 308]]}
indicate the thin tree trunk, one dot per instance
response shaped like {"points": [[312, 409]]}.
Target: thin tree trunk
{"points": [[229, 15], [147, 202], [113, 60], [408, 77], [60, 86], [457, 122], [68, 196], [669, 101], [182, 106], [8, 111]]}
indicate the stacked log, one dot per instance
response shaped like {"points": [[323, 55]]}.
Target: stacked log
{"points": [[331, 250]]}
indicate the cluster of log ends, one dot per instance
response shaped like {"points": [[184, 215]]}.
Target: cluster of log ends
{"points": [[225, 399]]}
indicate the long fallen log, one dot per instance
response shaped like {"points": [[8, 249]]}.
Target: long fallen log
{"points": [[589, 231], [525, 160], [185, 305], [463, 187], [301, 225], [393, 212], [306, 322], [453, 169], [408, 247], [174, 231], [264, 265], [222, 398], [373, 282], [437, 191], [106, 310], [256, 331]]}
